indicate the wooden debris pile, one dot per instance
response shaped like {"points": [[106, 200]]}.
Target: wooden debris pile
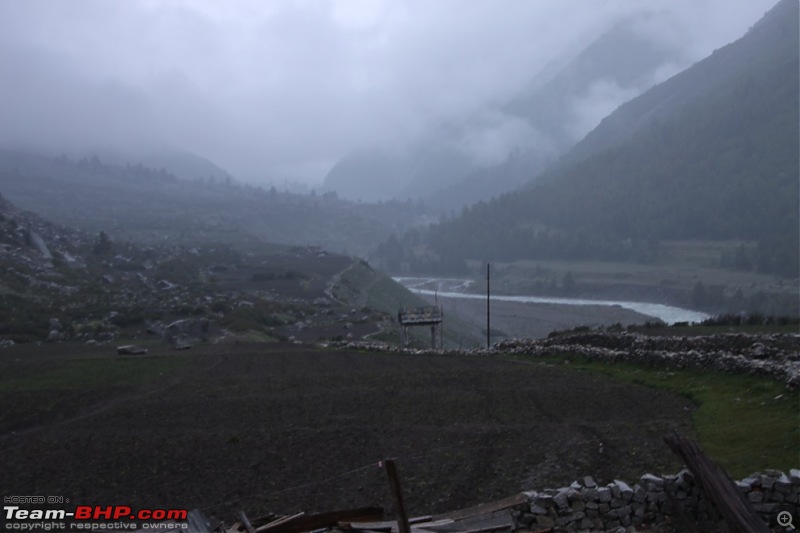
{"points": [[486, 518], [655, 503]]}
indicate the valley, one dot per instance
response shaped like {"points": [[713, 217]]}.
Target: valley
{"points": [[219, 222]]}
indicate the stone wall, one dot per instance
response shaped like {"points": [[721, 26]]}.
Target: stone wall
{"points": [[773, 355], [675, 500]]}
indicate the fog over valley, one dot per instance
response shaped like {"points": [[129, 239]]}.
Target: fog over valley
{"points": [[617, 151], [271, 91], [258, 256]]}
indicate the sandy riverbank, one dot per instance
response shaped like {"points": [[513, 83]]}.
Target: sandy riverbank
{"points": [[533, 320]]}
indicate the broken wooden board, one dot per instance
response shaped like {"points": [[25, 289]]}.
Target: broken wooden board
{"points": [[483, 518], [485, 508], [718, 487], [301, 522]]}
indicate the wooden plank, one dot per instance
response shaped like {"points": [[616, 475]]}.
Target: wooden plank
{"points": [[263, 519], [487, 529], [718, 487], [197, 522], [432, 523], [391, 525], [371, 526], [397, 495], [302, 522], [496, 521], [485, 508], [275, 524], [247, 525]]}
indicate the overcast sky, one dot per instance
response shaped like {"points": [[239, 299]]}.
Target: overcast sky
{"points": [[276, 88]]}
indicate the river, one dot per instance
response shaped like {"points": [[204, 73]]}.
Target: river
{"points": [[457, 288]]}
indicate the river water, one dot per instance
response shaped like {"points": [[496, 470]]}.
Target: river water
{"points": [[457, 288]]}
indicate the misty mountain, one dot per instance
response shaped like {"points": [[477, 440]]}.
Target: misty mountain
{"points": [[149, 205], [711, 153], [484, 156], [751, 60], [375, 175], [620, 62], [181, 163]]}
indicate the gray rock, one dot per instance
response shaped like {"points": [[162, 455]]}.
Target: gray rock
{"points": [[561, 499], [625, 490], [639, 494], [55, 336], [538, 509], [756, 496], [651, 480], [189, 331], [156, 327], [131, 349], [765, 507], [603, 495], [783, 484]]}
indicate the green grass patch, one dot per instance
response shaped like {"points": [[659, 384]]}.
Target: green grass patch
{"points": [[745, 423], [361, 286], [85, 374]]}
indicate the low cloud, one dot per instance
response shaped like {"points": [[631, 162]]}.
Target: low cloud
{"points": [[288, 87]]}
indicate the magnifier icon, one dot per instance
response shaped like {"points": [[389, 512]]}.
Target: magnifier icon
{"points": [[785, 519]]}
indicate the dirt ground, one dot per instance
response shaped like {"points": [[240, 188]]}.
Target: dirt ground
{"points": [[287, 427]]}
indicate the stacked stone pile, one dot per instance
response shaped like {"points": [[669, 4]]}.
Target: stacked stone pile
{"points": [[370, 346], [676, 500], [776, 355]]}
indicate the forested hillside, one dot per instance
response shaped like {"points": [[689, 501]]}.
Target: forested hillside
{"points": [[711, 153], [150, 205]]}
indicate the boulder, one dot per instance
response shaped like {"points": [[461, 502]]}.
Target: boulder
{"points": [[184, 333], [55, 336], [131, 349], [155, 327]]}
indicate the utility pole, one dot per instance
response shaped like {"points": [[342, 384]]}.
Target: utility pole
{"points": [[488, 311]]}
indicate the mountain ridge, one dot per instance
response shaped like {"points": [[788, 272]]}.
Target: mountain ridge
{"points": [[718, 160], [540, 122]]}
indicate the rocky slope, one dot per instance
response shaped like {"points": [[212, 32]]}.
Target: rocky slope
{"points": [[62, 284]]}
